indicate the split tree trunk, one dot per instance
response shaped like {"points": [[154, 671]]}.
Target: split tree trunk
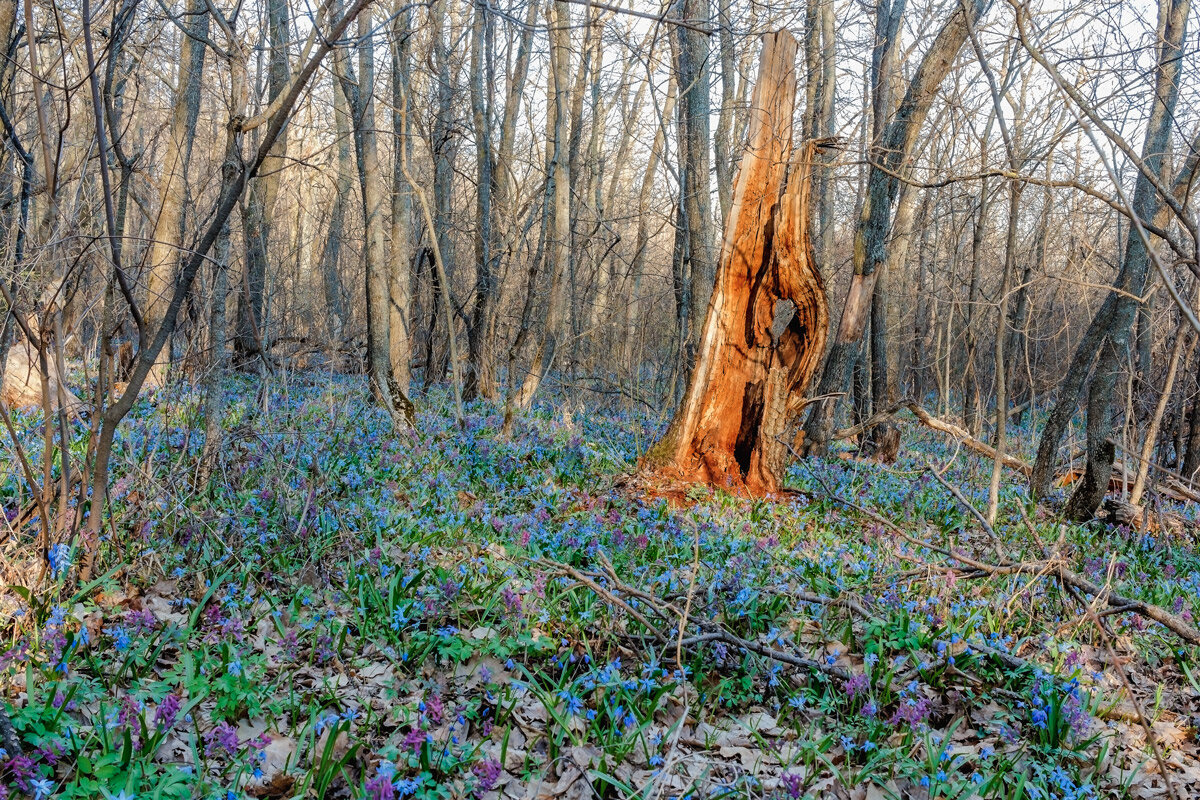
{"points": [[766, 325]]}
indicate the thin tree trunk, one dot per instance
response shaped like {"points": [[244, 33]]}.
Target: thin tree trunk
{"points": [[1143, 470], [331, 282], [722, 144], [637, 265], [378, 272], [699, 269], [401, 272], [972, 418], [443, 147], [1191, 457], [251, 338], [168, 227], [480, 378], [558, 200]]}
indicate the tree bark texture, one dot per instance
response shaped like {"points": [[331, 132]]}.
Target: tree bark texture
{"points": [[251, 310], [766, 324]]}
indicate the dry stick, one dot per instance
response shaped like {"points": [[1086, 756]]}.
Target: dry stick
{"points": [[1151, 737], [1036, 568], [987, 526], [600, 590], [937, 424], [715, 631]]}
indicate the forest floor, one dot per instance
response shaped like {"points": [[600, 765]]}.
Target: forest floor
{"points": [[346, 612]]}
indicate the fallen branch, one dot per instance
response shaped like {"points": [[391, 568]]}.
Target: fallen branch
{"points": [[1051, 566], [937, 424]]}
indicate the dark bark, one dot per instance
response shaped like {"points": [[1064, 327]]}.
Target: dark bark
{"points": [[972, 415], [694, 235], [896, 143], [1114, 321], [480, 377], [444, 145], [250, 340], [1191, 457]]}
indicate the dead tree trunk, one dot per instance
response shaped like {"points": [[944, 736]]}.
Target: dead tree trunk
{"points": [[766, 325]]}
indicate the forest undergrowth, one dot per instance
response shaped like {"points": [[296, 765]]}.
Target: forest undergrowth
{"points": [[347, 612]]}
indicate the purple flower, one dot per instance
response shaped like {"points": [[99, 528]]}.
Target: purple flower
{"points": [[856, 684], [434, 708], [414, 739], [167, 711], [380, 788], [140, 621], [487, 772], [912, 711], [793, 784], [221, 739]]}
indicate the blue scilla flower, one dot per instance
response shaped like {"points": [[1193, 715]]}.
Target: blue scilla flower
{"points": [[59, 557]]}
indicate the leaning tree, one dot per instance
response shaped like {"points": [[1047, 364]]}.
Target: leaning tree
{"points": [[766, 325]]}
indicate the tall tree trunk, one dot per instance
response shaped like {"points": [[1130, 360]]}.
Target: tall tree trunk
{"points": [[970, 387], [722, 144], [695, 205], [1191, 456], [1182, 336], [251, 337], [1017, 335], [1114, 321], [401, 271], [443, 147], [480, 377], [766, 322], [168, 226], [378, 271], [875, 218], [331, 282], [637, 265], [558, 203]]}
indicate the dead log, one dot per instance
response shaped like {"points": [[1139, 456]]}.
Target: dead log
{"points": [[765, 329]]}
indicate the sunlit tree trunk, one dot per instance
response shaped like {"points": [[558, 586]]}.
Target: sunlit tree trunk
{"points": [[386, 390], [168, 226], [766, 323], [558, 205], [400, 265]]}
